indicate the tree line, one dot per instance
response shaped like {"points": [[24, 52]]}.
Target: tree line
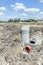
{"points": [[19, 20]]}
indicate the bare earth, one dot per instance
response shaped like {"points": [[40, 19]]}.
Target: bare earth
{"points": [[10, 46]]}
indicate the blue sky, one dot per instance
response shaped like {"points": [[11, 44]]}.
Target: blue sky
{"points": [[23, 9]]}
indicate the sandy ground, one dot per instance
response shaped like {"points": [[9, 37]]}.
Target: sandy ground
{"points": [[10, 46]]}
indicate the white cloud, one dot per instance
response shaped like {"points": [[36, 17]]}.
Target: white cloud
{"points": [[32, 10], [41, 13], [41, 1], [1, 13], [2, 8], [20, 6], [24, 14]]}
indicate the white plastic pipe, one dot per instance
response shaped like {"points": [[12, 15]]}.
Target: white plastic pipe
{"points": [[24, 33]]}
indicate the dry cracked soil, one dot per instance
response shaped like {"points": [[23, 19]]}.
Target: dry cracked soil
{"points": [[11, 46]]}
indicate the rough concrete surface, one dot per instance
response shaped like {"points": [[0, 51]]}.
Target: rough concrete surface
{"points": [[11, 46]]}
